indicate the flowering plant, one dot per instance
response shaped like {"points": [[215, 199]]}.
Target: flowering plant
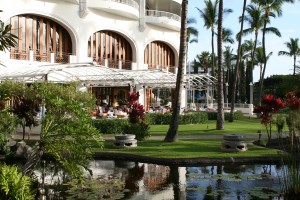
{"points": [[293, 118], [136, 110], [270, 105], [136, 116]]}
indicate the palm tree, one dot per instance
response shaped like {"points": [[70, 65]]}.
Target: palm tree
{"points": [[260, 60], [7, 39], [220, 91], [192, 31], [249, 46], [269, 6], [172, 133], [210, 16], [228, 57], [192, 34], [227, 36], [236, 70], [202, 60], [255, 21], [293, 50]]}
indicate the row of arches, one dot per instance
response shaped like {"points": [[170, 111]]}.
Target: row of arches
{"points": [[44, 36]]}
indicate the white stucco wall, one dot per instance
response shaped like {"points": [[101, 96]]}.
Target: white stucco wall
{"points": [[66, 13], [80, 29]]}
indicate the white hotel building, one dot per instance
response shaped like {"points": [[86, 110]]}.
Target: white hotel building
{"points": [[111, 46]]}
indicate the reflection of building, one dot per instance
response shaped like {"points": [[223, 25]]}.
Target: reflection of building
{"points": [[121, 35], [156, 177]]}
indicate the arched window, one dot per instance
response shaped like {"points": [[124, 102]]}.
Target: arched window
{"points": [[110, 46], [41, 35], [158, 55]]}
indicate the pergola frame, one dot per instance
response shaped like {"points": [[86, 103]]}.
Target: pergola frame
{"points": [[92, 75]]}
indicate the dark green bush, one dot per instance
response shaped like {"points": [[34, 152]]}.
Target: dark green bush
{"points": [[140, 130], [110, 126], [213, 115], [190, 118]]}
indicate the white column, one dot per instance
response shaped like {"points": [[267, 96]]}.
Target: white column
{"points": [[120, 64], [142, 16], [52, 57]]}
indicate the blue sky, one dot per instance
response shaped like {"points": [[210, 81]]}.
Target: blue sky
{"points": [[288, 24]]}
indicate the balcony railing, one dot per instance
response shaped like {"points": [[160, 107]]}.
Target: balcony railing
{"points": [[61, 57], [127, 2], [41, 57], [115, 64], [48, 56], [157, 13], [171, 69], [19, 54]]}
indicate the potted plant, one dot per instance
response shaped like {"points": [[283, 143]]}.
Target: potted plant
{"points": [[136, 127]]}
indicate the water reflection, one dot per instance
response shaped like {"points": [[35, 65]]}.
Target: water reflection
{"points": [[150, 181]]}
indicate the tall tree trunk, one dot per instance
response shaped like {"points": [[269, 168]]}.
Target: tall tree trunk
{"points": [[213, 52], [220, 117], [252, 55], [294, 65], [173, 129], [265, 58], [236, 70]]}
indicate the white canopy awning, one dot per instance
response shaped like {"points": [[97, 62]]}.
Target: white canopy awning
{"points": [[100, 76]]}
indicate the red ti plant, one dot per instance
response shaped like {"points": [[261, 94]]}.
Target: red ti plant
{"points": [[137, 124], [293, 119], [270, 105], [136, 110]]}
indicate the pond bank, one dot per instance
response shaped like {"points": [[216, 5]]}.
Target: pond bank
{"points": [[187, 161]]}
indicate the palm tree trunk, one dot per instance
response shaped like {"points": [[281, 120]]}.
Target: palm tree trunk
{"points": [[236, 70], [294, 65], [252, 56], [213, 52], [172, 133], [220, 117], [265, 58]]}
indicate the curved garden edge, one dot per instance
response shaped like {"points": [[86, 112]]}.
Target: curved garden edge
{"points": [[187, 161]]}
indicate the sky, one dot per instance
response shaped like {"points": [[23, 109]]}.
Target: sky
{"points": [[288, 25]]}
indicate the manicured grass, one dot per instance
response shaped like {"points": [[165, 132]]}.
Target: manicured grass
{"points": [[242, 126], [202, 148]]}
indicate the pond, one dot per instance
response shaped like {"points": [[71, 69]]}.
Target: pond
{"points": [[151, 181]]}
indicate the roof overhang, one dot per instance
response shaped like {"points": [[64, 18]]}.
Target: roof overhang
{"points": [[100, 76]]}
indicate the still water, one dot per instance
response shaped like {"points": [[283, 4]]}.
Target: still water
{"points": [[158, 182]]}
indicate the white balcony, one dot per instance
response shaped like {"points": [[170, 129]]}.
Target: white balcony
{"points": [[163, 19], [72, 1], [125, 8]]}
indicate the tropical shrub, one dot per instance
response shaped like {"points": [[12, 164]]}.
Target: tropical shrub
{"points": [[270, 105], [67, 131], [280, 121], [293, 118], [7, 126], [14, 185], [110, 126], [137, 124]]}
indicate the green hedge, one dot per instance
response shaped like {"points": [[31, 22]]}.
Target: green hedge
{"points": [[213, 115], [110, 126], [190, 118], [116, 126]]}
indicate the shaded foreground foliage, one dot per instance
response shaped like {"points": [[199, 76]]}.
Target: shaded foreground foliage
{"points": [[67, 132]]}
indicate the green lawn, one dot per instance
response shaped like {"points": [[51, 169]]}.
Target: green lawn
{"points": [[242, 126], [204, 148], [196, 148]]}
